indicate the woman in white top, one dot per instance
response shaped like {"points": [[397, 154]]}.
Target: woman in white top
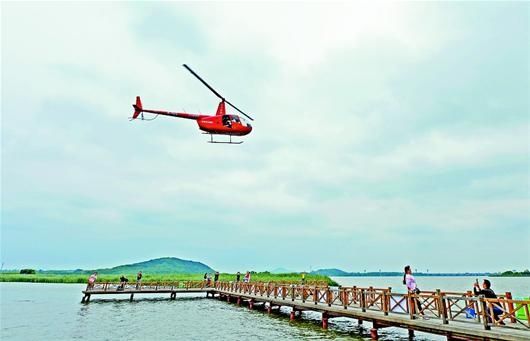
{"points": [[410, 281], [412, 287]]}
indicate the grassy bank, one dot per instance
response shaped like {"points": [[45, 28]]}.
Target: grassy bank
{"points": [[77, 278]]}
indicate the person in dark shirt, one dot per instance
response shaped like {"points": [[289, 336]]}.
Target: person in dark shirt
{"points": [[238, 276], [123, 281], [216, 277], [487, 292]]}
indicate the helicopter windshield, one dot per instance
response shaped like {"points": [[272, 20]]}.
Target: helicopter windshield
{"points": [[243, 121]]}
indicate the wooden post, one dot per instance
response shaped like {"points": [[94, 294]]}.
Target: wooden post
{"points": [[251, 304], [373, 334], [292, 292], [228, 298], [329, 296], [370, 297], [363, 300], [386, 304], [485, 321], [471, 303], [325, 318], [269, 308], [292, 315], [315, 295], [411, 334], [510, 307], [442, 307], [239, 300], [131, 298], [411, 305]]}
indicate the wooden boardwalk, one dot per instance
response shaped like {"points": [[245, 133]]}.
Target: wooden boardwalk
{"points": [[442, 313], [172, 288]]}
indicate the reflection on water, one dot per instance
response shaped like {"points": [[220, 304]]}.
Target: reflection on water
{"points": [[54, 311]]}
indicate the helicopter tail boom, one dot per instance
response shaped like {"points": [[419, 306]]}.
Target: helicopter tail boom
{"points": [[137, 107]]}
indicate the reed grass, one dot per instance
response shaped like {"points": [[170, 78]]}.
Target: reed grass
{"points": [[82, 278]]}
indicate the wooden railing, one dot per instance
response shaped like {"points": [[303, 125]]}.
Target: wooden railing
{"points": [[117, 286], [445, 306]]}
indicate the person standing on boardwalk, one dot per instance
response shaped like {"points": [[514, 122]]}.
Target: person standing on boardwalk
{"points": [[216, 277], [208, 280], [238, 276], [139, 280], [246, 279], [92, 280], [412, 288]]}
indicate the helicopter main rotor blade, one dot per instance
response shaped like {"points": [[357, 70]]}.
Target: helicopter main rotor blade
{"points": [[233, 106], [214, 91], [203, 82]]}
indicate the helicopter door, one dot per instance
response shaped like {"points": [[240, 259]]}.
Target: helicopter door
{"points": [[227, 122]]}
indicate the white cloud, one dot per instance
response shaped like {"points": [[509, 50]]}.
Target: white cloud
{"points": [[322, 80]]}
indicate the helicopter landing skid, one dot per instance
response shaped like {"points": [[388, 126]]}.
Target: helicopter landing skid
{"points": [[222, 142]]}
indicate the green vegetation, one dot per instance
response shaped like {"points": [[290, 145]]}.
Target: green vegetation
{"points": [[514, 273], [27, 271], [147, 277]]}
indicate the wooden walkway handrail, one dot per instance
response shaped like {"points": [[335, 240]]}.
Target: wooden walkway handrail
{"points": [[445, 306], [462, 312]]}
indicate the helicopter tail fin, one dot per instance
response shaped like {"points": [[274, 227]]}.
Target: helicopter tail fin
{"points": [[137, 107]]}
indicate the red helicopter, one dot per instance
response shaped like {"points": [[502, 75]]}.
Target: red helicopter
{"points": [[220, 124]]}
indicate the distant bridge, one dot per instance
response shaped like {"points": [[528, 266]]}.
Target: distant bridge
{"points": [[436, 312]]}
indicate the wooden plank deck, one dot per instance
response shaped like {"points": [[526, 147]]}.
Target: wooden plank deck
{"points": [[445, 312], [147, 288], [456, 329]]}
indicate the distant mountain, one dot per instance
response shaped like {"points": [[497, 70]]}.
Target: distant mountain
{"points": [[281, 271], [166, 265], [331, 272]]}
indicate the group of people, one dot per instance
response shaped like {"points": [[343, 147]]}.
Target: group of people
{"points": [[208, 278], [246, 278], [412, 287], [123, 281]]}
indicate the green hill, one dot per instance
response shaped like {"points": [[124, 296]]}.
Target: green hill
{"points": [[330, 272], [166, 265]]}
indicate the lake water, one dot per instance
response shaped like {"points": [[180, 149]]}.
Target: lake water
{"points": [[37, 311]]}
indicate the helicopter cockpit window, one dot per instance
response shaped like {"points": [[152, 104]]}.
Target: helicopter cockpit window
{"points": [[227, 121], [235, 119]]}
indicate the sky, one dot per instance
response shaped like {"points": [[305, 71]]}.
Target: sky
{"points": [[385, 134]]}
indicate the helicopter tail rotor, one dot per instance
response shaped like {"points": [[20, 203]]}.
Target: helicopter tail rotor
{"points": [[137, 107]]}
